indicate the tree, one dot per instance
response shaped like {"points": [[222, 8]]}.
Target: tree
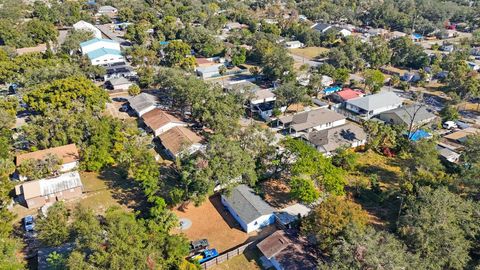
{"points": [[369, 249], [73, 40], [56, 261], [53, 229], [374, 80], [407, 54], [377, 53], [66, 94], [290, 93], [177, 54], [341, 75], [138, 32], [304, 190], [470, 164], [382, 136], [239, 56], [275, 62], [345, 158], [134, 90], [444, 239], [449, 113], [331, 218], [41, 31], [40, 168]]}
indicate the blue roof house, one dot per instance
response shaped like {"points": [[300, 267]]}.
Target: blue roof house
{"points": [[331, 89], [102, 51]]}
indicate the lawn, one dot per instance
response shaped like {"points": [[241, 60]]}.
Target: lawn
{"points": [[309, 52], [249, 260]]}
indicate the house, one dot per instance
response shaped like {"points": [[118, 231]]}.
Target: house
{"points": [[294, 44], [120, 83], [68, 154], [327, 141], [235, 25], [118, 71], [389, 70], [40, 48], [313, 120], [448, 155], [180, 140], [85, 26], [321, 27], [475, 51], [396, 34], [418, 115], [143, 103], [410, 77], [209, 71], [248, 209], [159, 121], [287, 252], [263, 102], [416, 37], [346, 94], [107, 11], [447, 48], [98, 43], [102, 51], [473, 65], [37, 193], [461, 135], [371, 105]]}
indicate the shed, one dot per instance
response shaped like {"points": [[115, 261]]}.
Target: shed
{"points": [[143, 103], [248, 209]]}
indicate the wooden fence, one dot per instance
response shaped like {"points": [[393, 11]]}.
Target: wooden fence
{"points": [[225, 256]]}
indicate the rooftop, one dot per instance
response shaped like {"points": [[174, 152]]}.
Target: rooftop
{"points": [[348, 93], [67, 153], [417, 112], [101, 52], [157, 118], [142, 101], [44, 187], [247, 204], [313, 118], [95, 40], [333, 138], [376, 101], [177, 138], [120, 81]]}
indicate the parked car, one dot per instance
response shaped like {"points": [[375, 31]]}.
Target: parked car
{"points": [[198, 246], [28, 223], [449, 125], [462, 125], [205, 255], [124, 108]]}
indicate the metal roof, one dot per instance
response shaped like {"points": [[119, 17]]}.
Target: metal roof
{"points": [[95, 40], [247, 205], [376, 101], [101, 52], [142, 101]]}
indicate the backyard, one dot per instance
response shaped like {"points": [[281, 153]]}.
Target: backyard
{"points": [[309, 52]]}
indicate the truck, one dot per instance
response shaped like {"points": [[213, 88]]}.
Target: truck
{"points": [[198, 246]]}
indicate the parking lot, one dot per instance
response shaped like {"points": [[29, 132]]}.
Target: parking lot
{"points": [[213, 222]]}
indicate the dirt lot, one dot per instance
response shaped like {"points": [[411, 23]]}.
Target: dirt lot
{"points": [[213, 222]]}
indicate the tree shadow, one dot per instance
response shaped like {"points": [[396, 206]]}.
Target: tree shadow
{"points": [[124, 190]]}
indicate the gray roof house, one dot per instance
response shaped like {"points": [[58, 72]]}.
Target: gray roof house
{"points": [[327, 141], [305, 122], [405, 114], [322, 27], [143, 103], [251, 211], [371, 105]]}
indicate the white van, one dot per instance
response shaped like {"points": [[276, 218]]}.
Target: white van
{"points": [[449, 125]]}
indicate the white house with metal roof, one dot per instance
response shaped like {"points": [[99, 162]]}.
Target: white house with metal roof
{"points": [[143, 103], [248, 209], [102, 51], [371, 105], [85, 26]]}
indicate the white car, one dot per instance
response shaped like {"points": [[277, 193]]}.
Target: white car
{"points": [[449, 125]]}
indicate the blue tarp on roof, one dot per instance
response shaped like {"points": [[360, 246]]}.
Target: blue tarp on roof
{"points": [[101, 52], [331, 89], [164, 42], [417, 36], [418, 135]]}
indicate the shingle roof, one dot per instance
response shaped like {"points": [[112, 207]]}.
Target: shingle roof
{"points": [[44, 187], [157, 118], [321, 26], [376, 101], [177, 138], [273, 244], [313, 118], [406, 113], [333, 138], [247, 205], [120, 81], [142, 102], [101, 52], [67, 153]]}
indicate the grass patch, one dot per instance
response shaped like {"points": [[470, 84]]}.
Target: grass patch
{"points": [[309, 52], [250, 259]]}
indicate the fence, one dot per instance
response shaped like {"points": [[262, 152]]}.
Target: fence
{"points": [[225, 256]]}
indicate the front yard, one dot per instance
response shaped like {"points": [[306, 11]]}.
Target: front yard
{"points": [[309, 52]]}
